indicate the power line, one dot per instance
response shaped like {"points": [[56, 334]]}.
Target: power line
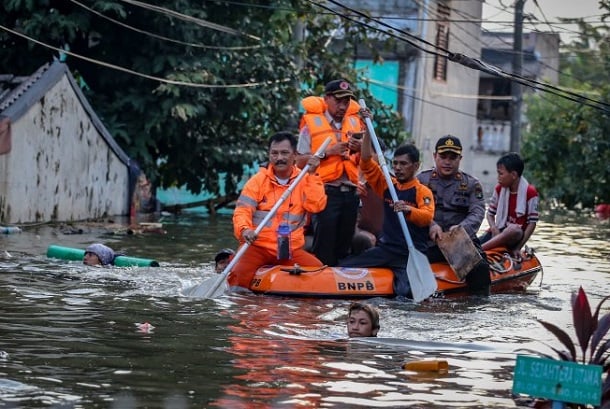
{"points": [[470, 62], [159, 37], [195, 20], [139, 74]]}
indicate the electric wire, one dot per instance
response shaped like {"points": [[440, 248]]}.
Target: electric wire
{"points": [[139, 74], [159, 37], [472, 62], [195, 20]]}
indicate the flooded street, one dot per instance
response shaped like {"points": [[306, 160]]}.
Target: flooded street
{"points": [[71, 335]]}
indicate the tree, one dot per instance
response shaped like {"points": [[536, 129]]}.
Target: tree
{"points": [[567, 147], [189, 135]]}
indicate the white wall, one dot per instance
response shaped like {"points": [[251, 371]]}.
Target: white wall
{"points": [[60, 168], [448, 107]]}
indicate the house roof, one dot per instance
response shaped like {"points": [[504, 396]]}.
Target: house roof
{"points": [[18, 94]]}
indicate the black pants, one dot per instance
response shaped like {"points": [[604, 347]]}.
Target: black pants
{"points": [[478, 280], [333, 227]]}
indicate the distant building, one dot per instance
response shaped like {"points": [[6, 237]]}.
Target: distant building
{"points": [[59, 162], [435, 96], [494, 108]]}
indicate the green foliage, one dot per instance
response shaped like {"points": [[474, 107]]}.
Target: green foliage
{"points": [[590, 332], [188, 135], [567, 148]]}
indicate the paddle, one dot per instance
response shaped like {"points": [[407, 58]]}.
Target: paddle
{"points": [[216, 289], [421, 277]]}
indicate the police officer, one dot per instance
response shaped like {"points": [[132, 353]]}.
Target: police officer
{"points": [[458, 200]]}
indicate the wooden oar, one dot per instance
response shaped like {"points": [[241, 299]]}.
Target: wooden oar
{"points": [[217, 287], [421, 277]]}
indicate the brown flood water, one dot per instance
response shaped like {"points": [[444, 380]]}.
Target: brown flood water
{"points": [[69, 335]]}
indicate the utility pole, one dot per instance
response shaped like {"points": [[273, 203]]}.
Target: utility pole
{"points": [[516, 90]]}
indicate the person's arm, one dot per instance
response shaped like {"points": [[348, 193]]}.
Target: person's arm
{"points": [[315, 196], [476, 211], [527, 233], [423, 214], [303, 147], [532, 216], [246, 204], [491, 212]]}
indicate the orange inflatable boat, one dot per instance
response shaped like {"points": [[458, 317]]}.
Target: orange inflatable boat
{"points": [[507, 276]]}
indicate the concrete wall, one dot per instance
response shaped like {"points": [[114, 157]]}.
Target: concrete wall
{"points": [[448, 107], [60, 168]]}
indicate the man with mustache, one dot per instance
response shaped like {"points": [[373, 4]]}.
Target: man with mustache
{"points": [[334, 115], [282, 240], [459, 202], [414, 201]]}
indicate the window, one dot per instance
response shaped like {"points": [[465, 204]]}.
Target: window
{"points": [[442, 40]]}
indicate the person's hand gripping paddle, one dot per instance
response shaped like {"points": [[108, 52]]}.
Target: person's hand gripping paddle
{"points": [[421, 277], [218, 286]]}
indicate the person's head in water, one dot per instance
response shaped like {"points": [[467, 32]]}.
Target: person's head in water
{"points": [[98, 254], [222, 259], [362, 320]]}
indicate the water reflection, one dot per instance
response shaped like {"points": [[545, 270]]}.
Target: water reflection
{"points": [[69, 336]]}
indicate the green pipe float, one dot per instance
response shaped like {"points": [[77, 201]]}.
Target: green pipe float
{"points": [[67, 253]]}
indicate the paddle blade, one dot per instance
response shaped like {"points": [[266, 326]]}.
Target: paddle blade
{"points": [[202, 290], [421, 276]]}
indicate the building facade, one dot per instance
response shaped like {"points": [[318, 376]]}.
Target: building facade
{"points": [[62, 164]]}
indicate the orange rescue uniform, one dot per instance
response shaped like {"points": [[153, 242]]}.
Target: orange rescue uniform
{"points": [[257, 198], [332, 167]]}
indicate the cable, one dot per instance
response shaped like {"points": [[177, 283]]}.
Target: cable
{"points": [[148, 33], [473, 62], [405, 93], [139, 74], [198, 21]]}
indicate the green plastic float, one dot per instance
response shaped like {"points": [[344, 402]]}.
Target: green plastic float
{"points": [[67, 253]]}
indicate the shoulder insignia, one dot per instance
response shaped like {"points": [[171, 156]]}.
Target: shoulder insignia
{"points": [[478, 191], [434, 174], [459, 176], [427, 200]]}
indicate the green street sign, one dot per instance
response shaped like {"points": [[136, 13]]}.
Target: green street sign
{"points": [[561, 381]]}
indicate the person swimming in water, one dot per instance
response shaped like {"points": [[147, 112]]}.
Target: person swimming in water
{"points": [[362, 320], [98, 254]]}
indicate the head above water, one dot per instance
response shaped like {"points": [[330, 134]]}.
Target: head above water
{"points": [[97, 254], [362, 320], [222, 259]]}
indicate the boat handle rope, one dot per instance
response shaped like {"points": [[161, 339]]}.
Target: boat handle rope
{"points": [[297, 270]]}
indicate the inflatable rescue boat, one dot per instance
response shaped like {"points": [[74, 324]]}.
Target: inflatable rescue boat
{"points": [[507, 276]]}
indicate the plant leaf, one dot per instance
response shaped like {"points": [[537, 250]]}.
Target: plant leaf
{"points": [[598, 359], [599, 306], [562, 336], [603, 325], [583, 320]]}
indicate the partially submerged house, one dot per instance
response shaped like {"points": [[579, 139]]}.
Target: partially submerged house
{"points": [[57, 160]]}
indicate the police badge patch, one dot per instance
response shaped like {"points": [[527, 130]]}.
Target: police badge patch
{"points": [[478, 191]]}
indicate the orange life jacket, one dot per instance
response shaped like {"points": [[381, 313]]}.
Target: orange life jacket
{"points": [[333, 166]]}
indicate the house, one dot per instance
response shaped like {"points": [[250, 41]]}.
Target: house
{"points": [[57, 160], [494, 108], [436, 97]]}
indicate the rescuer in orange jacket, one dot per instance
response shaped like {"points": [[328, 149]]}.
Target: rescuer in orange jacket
{"points": [[415, 201], [335, 115], [257, 198]]}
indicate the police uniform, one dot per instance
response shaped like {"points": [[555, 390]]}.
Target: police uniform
{"points": [[458, 200]]}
